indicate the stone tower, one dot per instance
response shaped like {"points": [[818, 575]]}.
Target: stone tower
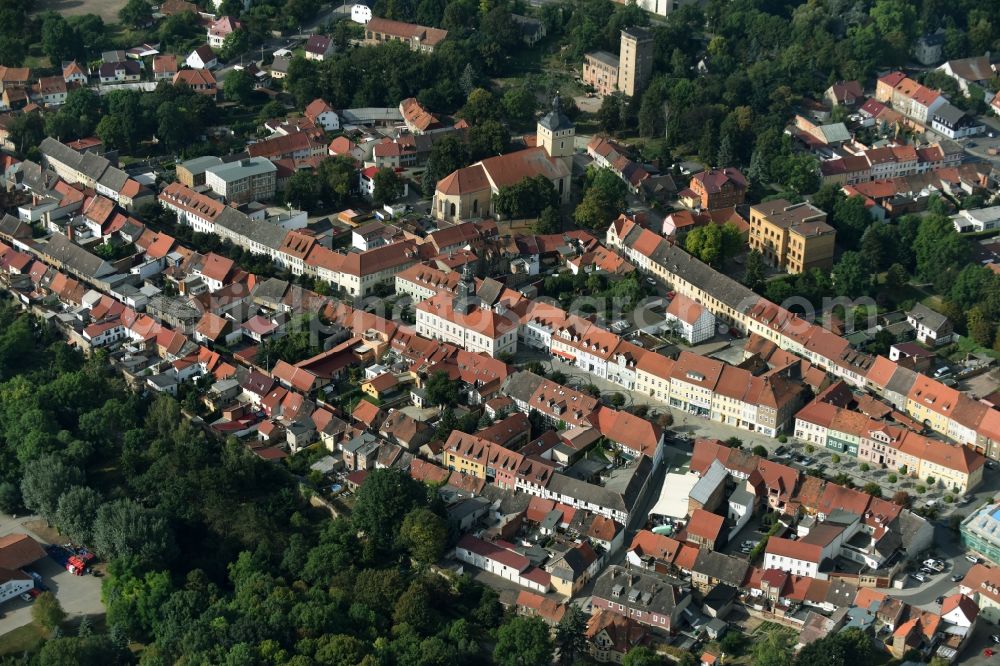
{"points": [[635, 60], [556, 133]]}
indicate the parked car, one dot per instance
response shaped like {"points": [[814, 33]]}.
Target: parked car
{"points": [[939, 600], [26, 596], [972, 558], [995, 638], [956, 578], [919, 577]]}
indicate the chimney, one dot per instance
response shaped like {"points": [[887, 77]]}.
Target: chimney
{"points": [[69, 231]]}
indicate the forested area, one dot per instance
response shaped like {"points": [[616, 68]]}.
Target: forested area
{"points": [[214, 555]]}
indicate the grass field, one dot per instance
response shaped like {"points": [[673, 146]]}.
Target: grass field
{"points": [[106, 9], [21, 639]]}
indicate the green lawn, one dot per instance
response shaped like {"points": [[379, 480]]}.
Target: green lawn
{"points": [[22, 639]]}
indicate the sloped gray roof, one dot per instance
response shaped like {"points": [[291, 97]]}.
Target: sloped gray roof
{"points": [[522, 385], [730, 570], [708, 483], [75, 257]]}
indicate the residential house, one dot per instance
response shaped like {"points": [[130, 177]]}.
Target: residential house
{"points": [[932, 328], [202, 58], [611, 636], [645, 597], [164, 67], [119, 72], [318, 47], [500, 559], [73, 73], [221, 28], [689, 320], [416, 37], [717, 188], [322, 115]]}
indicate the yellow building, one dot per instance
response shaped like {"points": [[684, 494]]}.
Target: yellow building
{"points": [[793, 237], [467, 454]]}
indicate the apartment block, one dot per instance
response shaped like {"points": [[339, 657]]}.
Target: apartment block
{"points": [[793, 237]]}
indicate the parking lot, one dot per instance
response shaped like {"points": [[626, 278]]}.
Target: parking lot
{"points": [[79, 595]]}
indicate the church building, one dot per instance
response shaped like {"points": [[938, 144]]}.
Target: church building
{"points": [[467, 193]]}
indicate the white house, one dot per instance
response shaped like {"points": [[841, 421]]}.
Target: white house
{"points": [[14, 583], [361, 14], [202, 58], [323, 115], [932, 328], [508, 564], [980, 219], [690, 320]]}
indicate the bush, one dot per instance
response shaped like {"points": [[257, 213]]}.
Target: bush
{"points": [[949, 498], [930, 480], [782, 438], [835, 459], [902, 470], [864, 467], [892, 478], [810, 448], [921, 489], [760, 451], [733, 643]]}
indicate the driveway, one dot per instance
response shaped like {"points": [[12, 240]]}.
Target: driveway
{"points": [[78, 595]]}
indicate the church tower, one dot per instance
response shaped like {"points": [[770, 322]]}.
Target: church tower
{"points": [[556, 133]]}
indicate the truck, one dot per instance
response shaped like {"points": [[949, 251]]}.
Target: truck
{"points": [[67, 559]]}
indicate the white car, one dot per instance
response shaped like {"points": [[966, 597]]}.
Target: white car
{"points": [[972, 558]]}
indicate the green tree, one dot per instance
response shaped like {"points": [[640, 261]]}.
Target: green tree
{"points": [[526, 199], [549, 222], [850, 218], [523, 641], [383, 502], [303, 190], [336, 176], [425, 534], [27, 130], [236, 43], [480, 107], [136, 13], [643, 656], [487, 139], [609, 115], [10, 497], [129, 532], [519, 105], [47, 612], [851, 276], [602, 201], [773, 650], [76, 511], [979, 326], [45, 481], [571, 637], [754, 270], [940, 251], [114, 132], [388, 186], [447, 155], [441, 390], [59, 40], [714, 244], [896, 276], [238, 86]]}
